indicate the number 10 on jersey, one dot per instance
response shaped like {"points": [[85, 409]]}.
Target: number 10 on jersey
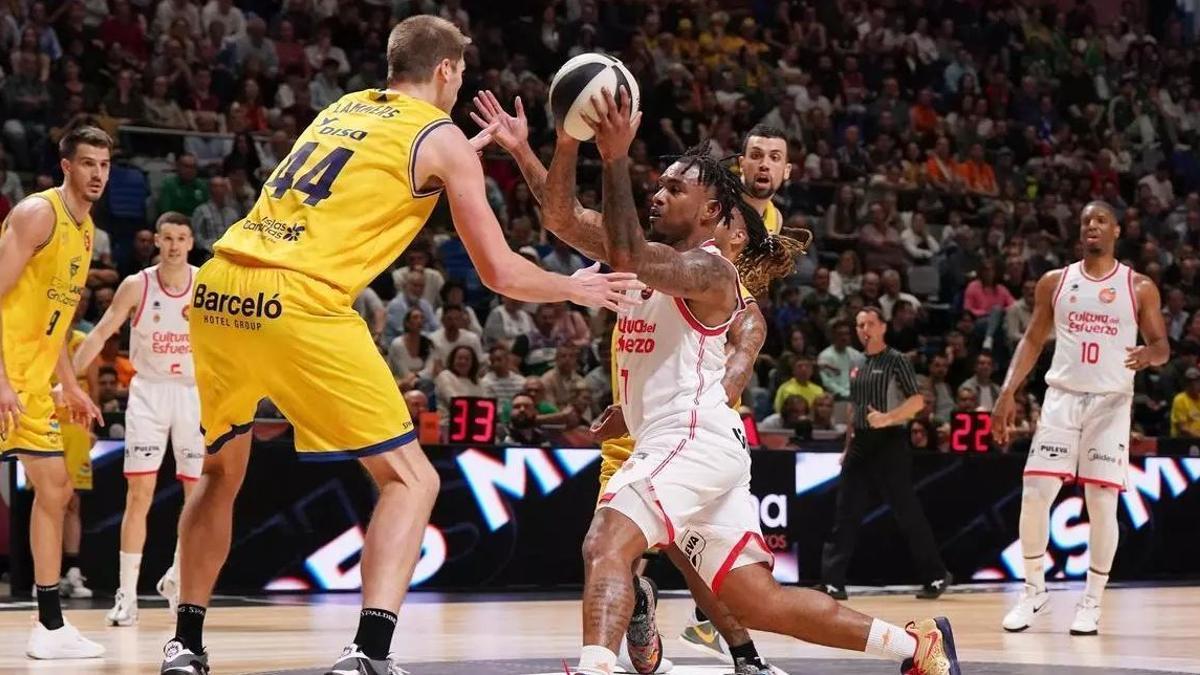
{"points": [[1089, 352]]}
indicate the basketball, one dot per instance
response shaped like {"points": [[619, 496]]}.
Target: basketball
{"points": [[581, 78]]}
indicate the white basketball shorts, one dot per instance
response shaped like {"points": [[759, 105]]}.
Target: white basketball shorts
{"points": [[691, 487], [1082, 437], [156, 411]]}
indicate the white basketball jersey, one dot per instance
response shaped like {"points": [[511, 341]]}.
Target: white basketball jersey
{"points": [[1094, 321], [159, 343], [670, 366]]}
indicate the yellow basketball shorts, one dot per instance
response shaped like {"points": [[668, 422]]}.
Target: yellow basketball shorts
{"points": [[271, 333], [77, 453], [38, 432], [613, 454]]}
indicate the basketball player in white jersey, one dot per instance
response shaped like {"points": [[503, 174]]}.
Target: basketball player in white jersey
{"points": [[687, 483], [1095, 309], [163, 402]]}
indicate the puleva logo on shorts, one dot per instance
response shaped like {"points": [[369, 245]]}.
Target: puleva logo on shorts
{"points": [[235, 311], [693, 547], [1051, 452]]}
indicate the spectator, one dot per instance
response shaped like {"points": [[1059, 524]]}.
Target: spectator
{"points": [[846, 278], [801, 383], [986, 391], [160, 109], [536, 348], [213, 217], [562, 378], [890, 280], [108, 391], [600, 377], [919, 244], [417, 403], [141, 255], [27, 101], [209, 151], [838, 360], [506, 322], [125, 29], [256, 45], [452, 334], [324, 50], [1019, 314], [419, 260], [562, 259], [459, 378], [841, 220], [410, 354], [183, 191], [1174, 314], [370, 307], [325, 88], [570, 326], [454, 293], [823, 425], [523, 427], [977, 175], [1185, 408], [111, 357], [936, 381], [409, 298], [902, 334], [501, 382], [231, 18], [290, 51], [818, 301], [795, 410]]}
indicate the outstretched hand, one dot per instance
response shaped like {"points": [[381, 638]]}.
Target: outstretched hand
{"points": [[615, 125], [509, 131], [482, 139], [590, 288]]}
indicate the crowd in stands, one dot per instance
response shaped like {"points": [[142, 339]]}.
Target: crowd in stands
{"points": [[941, 151]]}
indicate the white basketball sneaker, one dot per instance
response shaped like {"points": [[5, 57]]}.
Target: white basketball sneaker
{"points": [[168, 587], [64, 642], [124, 611], [71, 585], [1087, 617], [1021, 617]]}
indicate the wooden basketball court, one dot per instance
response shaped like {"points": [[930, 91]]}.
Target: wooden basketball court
{"points": [[1144, 629]]}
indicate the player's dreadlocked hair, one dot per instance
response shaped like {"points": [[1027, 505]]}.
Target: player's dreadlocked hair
{"points": [[714, 174], [766, 257]]}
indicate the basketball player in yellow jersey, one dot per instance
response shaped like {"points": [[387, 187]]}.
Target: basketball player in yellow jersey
{"points": [[272, 317], [45, 252], [581, 228], [765, 167]]}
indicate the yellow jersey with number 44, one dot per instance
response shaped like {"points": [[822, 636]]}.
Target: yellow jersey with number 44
{"points": [[344, 203], [38, 310]]}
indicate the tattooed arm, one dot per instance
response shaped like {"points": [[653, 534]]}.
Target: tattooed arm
{"points": [[694, 275], [562, 213], [746, 337]]}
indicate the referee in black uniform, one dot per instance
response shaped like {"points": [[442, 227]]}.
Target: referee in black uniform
{"points": [[884, 395]]}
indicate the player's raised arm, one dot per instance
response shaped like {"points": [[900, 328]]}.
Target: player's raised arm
{"points": [[28, 228], [693, 274], [554, 189], [125, 302], [1029, 349], [1157, 349], [447, 156]]}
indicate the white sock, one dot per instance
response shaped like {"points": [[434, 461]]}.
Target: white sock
{"points": [[890, 642], [1035, 572], [131, 564], [175, 560], [596, 660], [1095, 585]]}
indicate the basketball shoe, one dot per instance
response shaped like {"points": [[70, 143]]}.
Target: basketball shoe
{"points": [[703, 637], [179, 660], [63, 642], [1027, 608], [124, 611], [71, 585], [1087, 617], [935, 653], [644, 641], [625, 664], [354, 662], [168, 587]]}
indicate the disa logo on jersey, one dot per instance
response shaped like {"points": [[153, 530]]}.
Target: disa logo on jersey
{"points": [[327, 128]]}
